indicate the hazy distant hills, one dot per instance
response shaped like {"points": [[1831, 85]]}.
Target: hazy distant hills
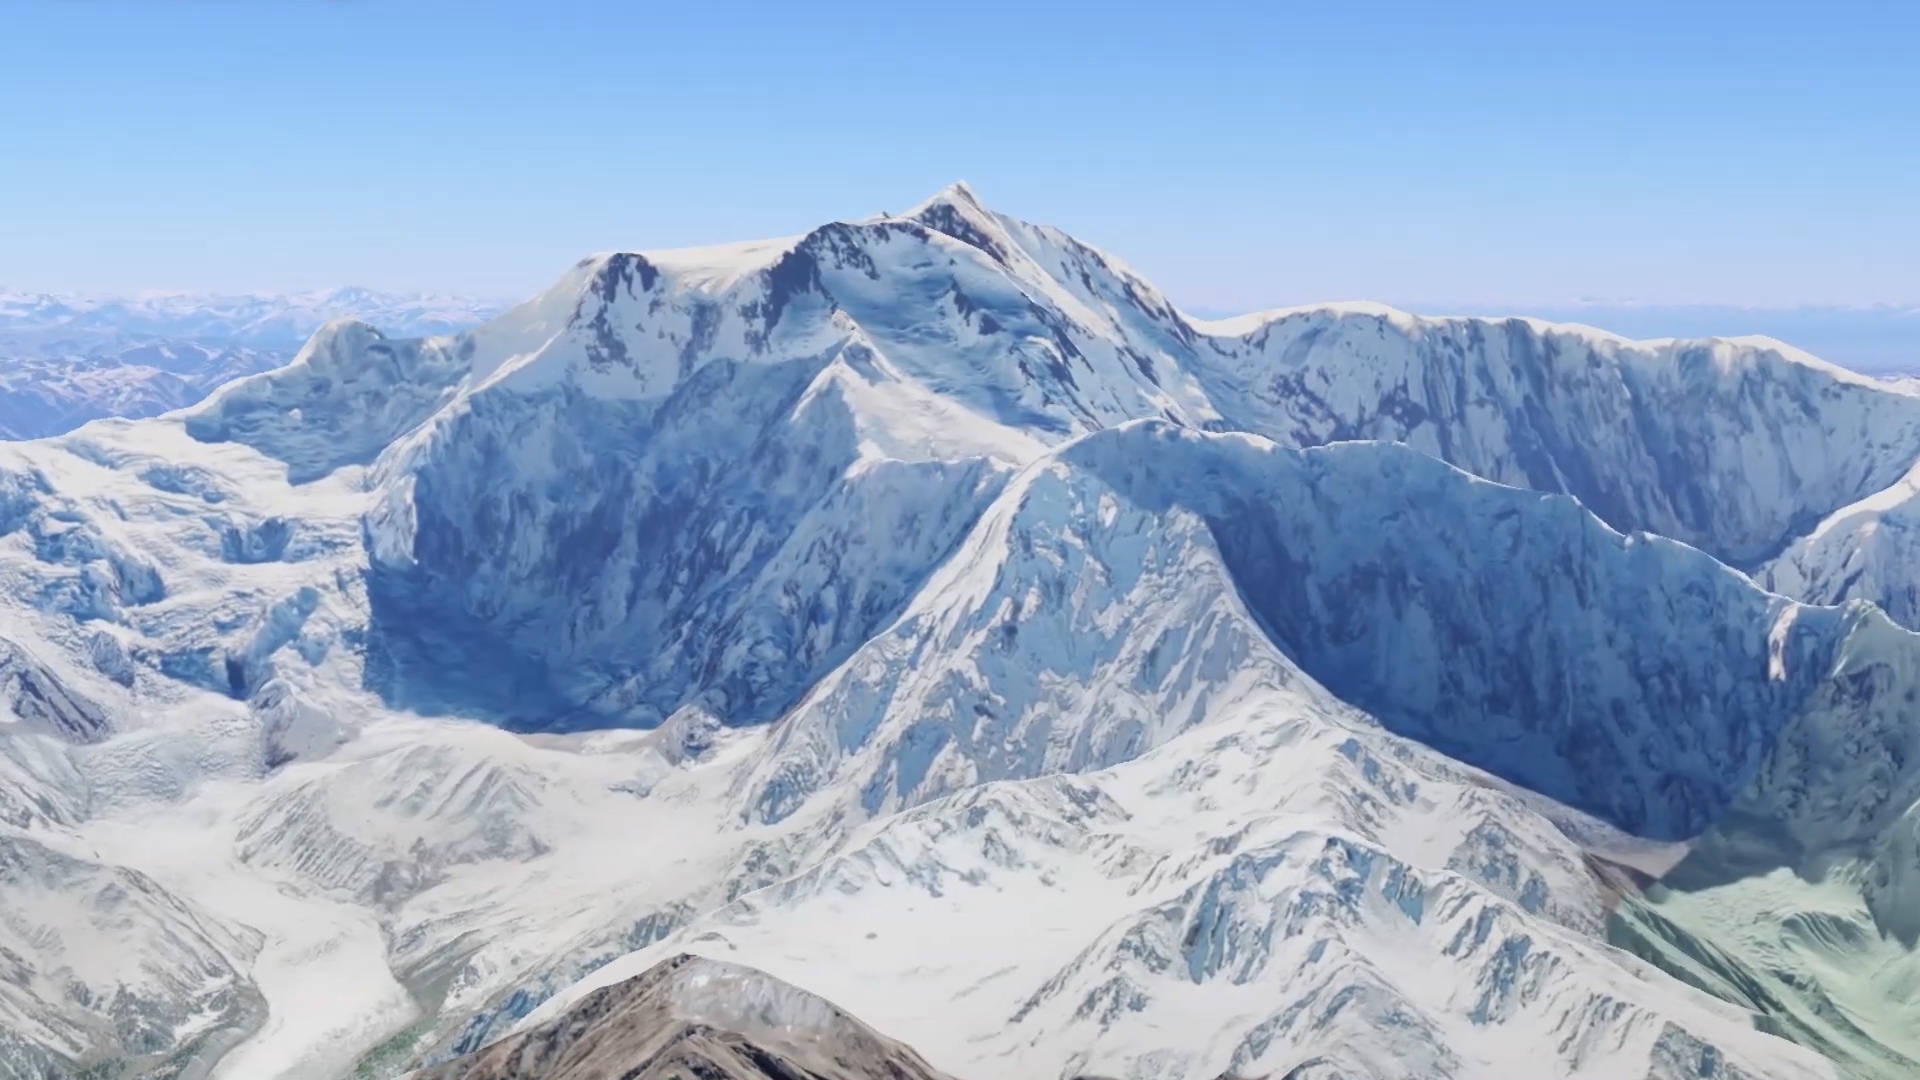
{"points": [[65, 360]]}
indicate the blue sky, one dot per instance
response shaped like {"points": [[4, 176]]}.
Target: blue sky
{"points": [[1241, 155]]}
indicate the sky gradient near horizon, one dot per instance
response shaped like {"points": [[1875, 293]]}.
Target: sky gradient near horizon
{"points": [[1243, 156]]}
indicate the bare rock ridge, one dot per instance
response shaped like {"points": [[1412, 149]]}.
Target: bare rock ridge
{"points": [[690, 1018]]}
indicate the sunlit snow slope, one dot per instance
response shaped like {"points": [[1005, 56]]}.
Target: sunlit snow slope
{"points": [[924, 612]]}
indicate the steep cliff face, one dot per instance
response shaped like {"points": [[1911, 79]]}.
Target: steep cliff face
{"points": [[1075, 628], [656, 419], [34, 698], [1151, 576], [1632, 677], [729, 547], [1735, 447]]}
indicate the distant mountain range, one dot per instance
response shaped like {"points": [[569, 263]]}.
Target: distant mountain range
{"points": [[922, 620], [65, 360]]}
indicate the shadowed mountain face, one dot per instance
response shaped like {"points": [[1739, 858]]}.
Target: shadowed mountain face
{"points": [[925, 613], [692, 1018], [649, 487], [1619, 675], [1631, 677]]}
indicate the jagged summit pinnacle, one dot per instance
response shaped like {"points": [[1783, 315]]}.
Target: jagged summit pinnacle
{"points": [[959, 192], [724, 263]]}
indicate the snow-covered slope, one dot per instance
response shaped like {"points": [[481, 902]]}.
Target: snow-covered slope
{"points": [[923, 611], [66, 360], [1628, 677], [745, 393]]}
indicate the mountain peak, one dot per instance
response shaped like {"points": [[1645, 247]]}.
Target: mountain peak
{"points": [[957, 212], [959, 193]]}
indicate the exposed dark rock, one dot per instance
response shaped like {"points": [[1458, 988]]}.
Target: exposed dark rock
{"points": [[690, 1017]]}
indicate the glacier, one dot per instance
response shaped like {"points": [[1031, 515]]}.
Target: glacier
{"points": [[924, 612]]}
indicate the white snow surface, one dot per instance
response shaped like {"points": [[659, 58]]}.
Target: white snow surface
{"points": [[925, 612]]}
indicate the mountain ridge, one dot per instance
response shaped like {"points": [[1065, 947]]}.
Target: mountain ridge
{"points": [[1001, 356], [911, 579]]}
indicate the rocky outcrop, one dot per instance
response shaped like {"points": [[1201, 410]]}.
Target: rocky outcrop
{"points": [[693, 1017]]}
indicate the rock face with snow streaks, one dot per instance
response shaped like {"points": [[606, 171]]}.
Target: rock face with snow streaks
{"points": [[105, 970], [66, 360]]}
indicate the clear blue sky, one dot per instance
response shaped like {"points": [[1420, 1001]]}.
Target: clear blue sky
{"points": [[1242, 155]]}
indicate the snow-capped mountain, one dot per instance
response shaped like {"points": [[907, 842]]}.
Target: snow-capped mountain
{"points": [[924, 612], [49, 388], [65, 360]]}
